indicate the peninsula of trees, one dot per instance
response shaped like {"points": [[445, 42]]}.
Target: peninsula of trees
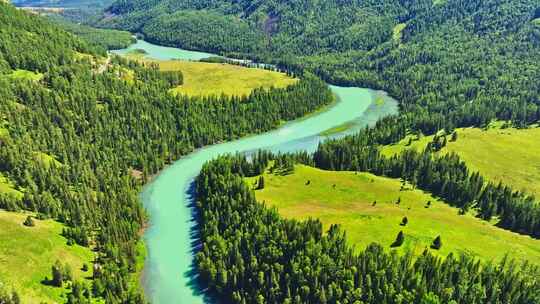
{"points": [[71, 138]]}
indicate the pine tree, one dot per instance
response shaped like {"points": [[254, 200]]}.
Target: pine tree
{"points": [[57, 274], [29, 222], [454, 136], [437, 243], [399, 240], [260, 184], [404, 221]]}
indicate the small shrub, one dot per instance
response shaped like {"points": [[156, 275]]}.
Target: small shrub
{"points": [[399, 240], [29, 222], [437, 243]]}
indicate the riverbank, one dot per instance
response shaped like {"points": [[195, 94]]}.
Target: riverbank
{"points": [[172, 233]]}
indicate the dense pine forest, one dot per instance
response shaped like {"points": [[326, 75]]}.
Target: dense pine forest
{"points": [[73, 140], [451, 63], [81, 138], [103, 38], [249, 254]]}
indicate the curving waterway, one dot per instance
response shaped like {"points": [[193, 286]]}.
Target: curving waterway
{"points": [[169, 276]]}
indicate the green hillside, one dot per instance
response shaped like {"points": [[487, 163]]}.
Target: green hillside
{"points": [[366, 207], [504, 155], [28, 253], [244, 240], [474, 59]]}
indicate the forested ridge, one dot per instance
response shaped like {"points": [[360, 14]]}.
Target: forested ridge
{"points": [[72, 139], [249, 254], [103, 38]]}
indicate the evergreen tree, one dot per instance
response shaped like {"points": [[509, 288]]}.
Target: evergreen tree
{"points": [[454, 136], [260, 183], [399, 240], [57, 274], [437, 243], [404, 221], [29, 222]]}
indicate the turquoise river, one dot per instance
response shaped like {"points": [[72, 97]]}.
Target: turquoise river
{"points": [[171, 237]]}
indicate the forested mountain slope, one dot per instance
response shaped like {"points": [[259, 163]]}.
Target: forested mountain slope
{"points": [[74, 129], [451, 63]]}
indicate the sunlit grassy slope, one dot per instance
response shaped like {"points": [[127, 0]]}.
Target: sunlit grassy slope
{"points": [[8, 187], [203, 78], [508, 155], [351, 204], [27, 254], [25, 75], [396, 34]]}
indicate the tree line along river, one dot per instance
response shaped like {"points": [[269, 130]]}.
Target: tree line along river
{"points": [[171, 239]]}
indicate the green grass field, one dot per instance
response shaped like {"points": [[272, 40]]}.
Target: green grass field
{"points": [[27, 254], [508, 155], [25, 75], [350, 204], [396, 35], [7, 187], [4, 133], [203, 78], [46, 160]]}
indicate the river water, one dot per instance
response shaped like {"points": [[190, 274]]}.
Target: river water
{"points": [[169, 276]]}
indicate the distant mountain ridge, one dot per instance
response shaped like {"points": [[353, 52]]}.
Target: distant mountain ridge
{"points": [[92, 4]]}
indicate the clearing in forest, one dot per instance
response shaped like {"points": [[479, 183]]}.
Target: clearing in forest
{"points": [[206, 78], [371, 209], [8, 187], [203, 78], [28, 253], [507, 155]]}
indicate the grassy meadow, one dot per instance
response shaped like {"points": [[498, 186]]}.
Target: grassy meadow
{"points": [[25, 75], [4, 133], [509, 155], [204, 78], [46, 160], [27, 254], [8, 187], [351, 204], [396, 34]]}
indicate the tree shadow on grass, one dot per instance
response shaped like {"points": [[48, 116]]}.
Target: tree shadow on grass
{"points": [[47, 282]]}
